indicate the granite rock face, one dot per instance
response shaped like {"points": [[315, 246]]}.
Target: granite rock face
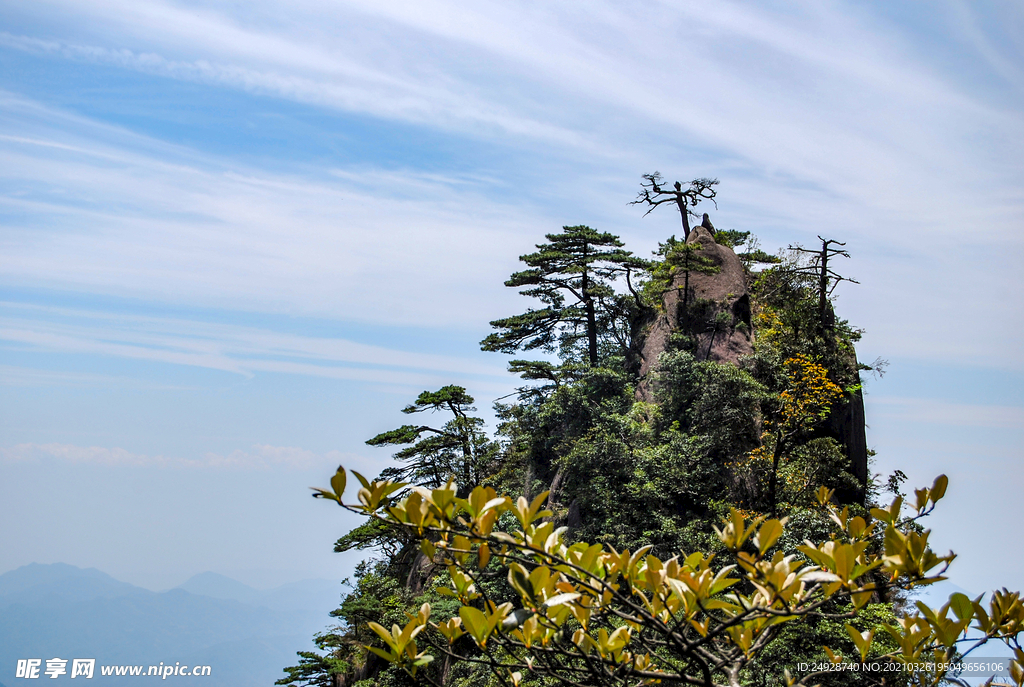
{"points": [[717, 311], [716, 321], [846, 424]]}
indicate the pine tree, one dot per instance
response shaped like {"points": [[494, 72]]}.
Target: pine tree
{"points": [[680, 256], [572, 276], [457, 449]]}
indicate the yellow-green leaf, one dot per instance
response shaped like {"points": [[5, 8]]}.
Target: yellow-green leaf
{"points": [[475, 623], [769, 533], [338, 482], [962, 606]]}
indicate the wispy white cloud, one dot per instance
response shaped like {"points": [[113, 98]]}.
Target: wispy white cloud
{"points": [[828, 95], [85, 454], [257, 457], [337, 84], [228, 348], [969, 30], [827, 118], [127, 222], [13, 375], [947, 414]]}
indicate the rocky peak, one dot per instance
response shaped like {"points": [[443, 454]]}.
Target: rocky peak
{"points": [[712, 308]]}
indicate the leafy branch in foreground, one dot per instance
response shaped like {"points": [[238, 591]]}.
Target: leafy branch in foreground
{"points": [[581, 614]]}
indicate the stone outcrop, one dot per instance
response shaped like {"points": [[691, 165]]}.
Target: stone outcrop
{"points": [[716, 314], [846, 425], [715, 322]]}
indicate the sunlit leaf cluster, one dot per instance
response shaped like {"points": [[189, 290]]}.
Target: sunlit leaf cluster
{"points": [[586, 613]]}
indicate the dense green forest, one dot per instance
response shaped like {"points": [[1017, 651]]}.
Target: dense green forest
{"points": [[706, 399]]}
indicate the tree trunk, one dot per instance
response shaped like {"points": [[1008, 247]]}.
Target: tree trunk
{"points": [[446, 671], [823, 288], [711, 341], [588, 304], [591, 332], [554, 491], [681, 202], [686, 284], [467, 465]]}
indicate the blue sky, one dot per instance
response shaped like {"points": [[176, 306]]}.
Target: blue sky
{"points": [[237, 238]]}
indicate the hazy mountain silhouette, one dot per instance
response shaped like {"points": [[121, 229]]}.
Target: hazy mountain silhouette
{"points": [[220, 587], [302, 594], [246, 635], [42, 583]]}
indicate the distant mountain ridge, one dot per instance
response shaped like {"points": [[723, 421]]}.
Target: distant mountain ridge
{"points": [[37, 582], [246, 635], [220, 587], [291, 595]]}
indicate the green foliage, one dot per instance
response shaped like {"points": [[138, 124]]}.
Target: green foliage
{"points": [[732, 461], [678, 257], [572, 277], [708, 399], [805, 641], [318, 670], [731, 238], [457, 449], [758, 256], [582, 613], [788, 318], [378, 596], [371, 534]]}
